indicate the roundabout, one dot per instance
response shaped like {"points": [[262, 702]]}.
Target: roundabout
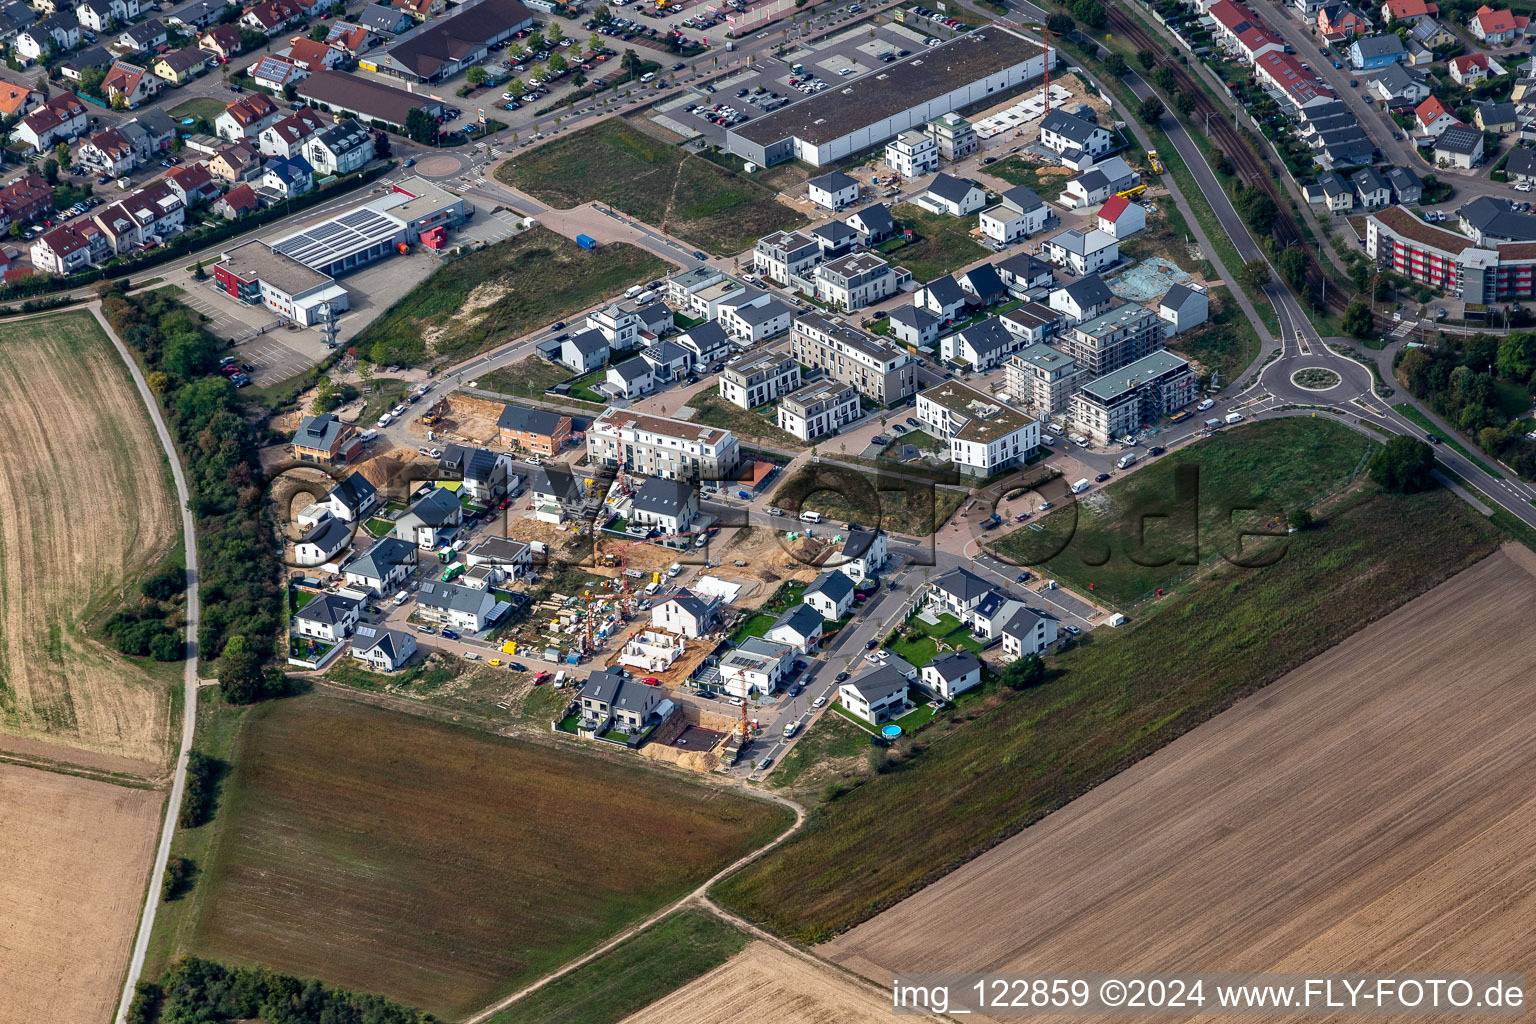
{"points": [[1316, 378]]}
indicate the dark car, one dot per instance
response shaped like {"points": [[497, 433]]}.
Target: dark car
{"points": [[840, 677], [1101, 478], [1023, 577], [1432, 438], [449, 634], [557, 325], [699, 255], [880, 439], [871, 645], [1156, 449], [247, 367], [517, 666]]}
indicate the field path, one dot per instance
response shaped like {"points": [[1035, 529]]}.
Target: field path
{"points": [[189, 676], [697, 896]]}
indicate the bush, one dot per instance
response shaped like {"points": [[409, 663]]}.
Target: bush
{"points": [[145, 1008], [167, 646], [165, 584], [204, 992], [1403, 465], [200, 795], [179, 872]]}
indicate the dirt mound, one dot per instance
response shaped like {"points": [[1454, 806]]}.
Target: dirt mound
{"points": [[465, 418]]}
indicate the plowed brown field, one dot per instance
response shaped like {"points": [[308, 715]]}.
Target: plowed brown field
{"points": [[77, 853], [85, 508], [1373, 810]]}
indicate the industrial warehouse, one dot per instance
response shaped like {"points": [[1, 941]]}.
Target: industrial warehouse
{"points": [[879, 106]]}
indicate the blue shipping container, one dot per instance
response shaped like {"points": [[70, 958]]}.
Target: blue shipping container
{"points": [[586, 241]]}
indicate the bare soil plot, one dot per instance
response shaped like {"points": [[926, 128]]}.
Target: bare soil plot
{"points": [[442, 867], [80, 851], [85, 510], [1371, 810], [766, 985]]}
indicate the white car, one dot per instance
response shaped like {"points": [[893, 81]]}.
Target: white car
{"points": [[384, 420], [737, 702], [819, 701], [1204, 405], [424, 388], [534, 460], [774, 510], [368, 435], [397, 410]]}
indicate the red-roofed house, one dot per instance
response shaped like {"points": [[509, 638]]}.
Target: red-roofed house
{"points": [[246, 117], [1284, 73], [272, 16], [1431, 117], [1121, 218], [1243, 31], [237, 202], [286, 138], [62, 117], [1341, 21], [192, 184], [422, 10], [312, 56], [26, 199], [133, 83], [1408, 12], [16, 100], [223, 40], [1471, 68], [1498, 28], [70, 247], [354, 39], [109, 151]]}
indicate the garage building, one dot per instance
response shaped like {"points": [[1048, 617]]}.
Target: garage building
{"points": [[254, 273]]}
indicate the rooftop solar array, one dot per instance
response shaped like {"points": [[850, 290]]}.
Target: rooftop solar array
{"points": [[322, 245]]}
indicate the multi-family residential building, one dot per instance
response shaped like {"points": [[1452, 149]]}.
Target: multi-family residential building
{"points": [[912, 154], [286, 138], [1082, 252], [953, 135], [858, 280], [658, 446], [752, 315], [70, 247], [1042, 380], [60, 119], [879, 370], [1020, 212], [246, 117], [1113, 339], [1133, 396], [785, 254], [985, 436], [818, 409], [108, 152], [758, 378], [543, 431]]}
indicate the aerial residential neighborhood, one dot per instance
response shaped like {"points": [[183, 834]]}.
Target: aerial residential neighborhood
{"points": [[667, 511]]}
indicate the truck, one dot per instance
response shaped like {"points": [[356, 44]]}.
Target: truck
{"points": [[992, 522], [1126, 461], [586, 241], [791, 728]]}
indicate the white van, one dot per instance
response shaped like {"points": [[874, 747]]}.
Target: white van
{"points": [[559, 679], [644, 297], [368, 435], [1081, 486], [674, 570], [633, 290], [1234, 417], [651, 588], [648, 77], [810, 517], [401, 598], [1126, 461], [386, 420]]}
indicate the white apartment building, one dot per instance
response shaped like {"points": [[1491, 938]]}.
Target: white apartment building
{"points": [[658, 446], [1133, 396], [758, 378], [985, 436], [819, 409], [878, 369], [912, 154], [785, 254], [857, 280]]}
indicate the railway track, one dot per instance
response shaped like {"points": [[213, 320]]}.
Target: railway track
{"points": [[1252, 169]]}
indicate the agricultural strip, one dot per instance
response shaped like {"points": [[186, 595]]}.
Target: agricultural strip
{"points": [[1372, 807], [501, 292], [79, 852], [440, 867], [86, 510], [1106, 704], [614, 163]]}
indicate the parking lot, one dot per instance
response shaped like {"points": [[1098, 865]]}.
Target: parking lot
{"points": [[769, 83]]}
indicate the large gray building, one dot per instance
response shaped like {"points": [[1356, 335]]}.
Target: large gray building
{"points": [[880, 370], [1113, 339], [882, 104]]}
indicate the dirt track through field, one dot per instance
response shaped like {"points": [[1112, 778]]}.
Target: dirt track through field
{"points": [[766, 985], [1373, 810], [77, 853], [85, 505]]}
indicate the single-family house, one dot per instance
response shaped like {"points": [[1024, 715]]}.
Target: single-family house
{"points": [[1371, 188], [864, 554], [1408, 12], [514, 558], [1099, 182], [670, 506], [800, 627], [958, 197], [610, 700], [130, 84], [982, 285], [1339, 22], [326, 439], [631, 378], [144, 36], [1120, 218], [1498, 118], [286, 137], [60, 119], [1373, 52], [1082, 252], [1432, 117], [755, 668], [942, 297], [382, 18], [1082, 300], [276, 73], [328, 617], [272, 16], [834, 238], [956, 592], [1024, 272], [1028, 632], [751, 315], [1182, 307], [830, 594], [351, 500], [108, 152], [484, 476], [236, 163], [1407, 189], [322, 542], [459, 607], [16, 100], [832, 191], [951, 673], [1472, 69], [246, 117], [1498, 28], [912, 154], [1074, 137], [430, 519], [914, 325], [223, 40], [1019, 213], [1395, 85], [56, 33], [875, 695], [1459, 146], [382, 649], [1432, 35], [180, 66], [873, 224], [542, 431], [584, 351], [687, 614], [981, 347], [192, 184], [240, 201], [287, 176]]}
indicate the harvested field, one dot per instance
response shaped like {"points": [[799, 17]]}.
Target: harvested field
{"points": [[65, 560], [67, 920], [1371, 809], [769, 986], [442, 867]]}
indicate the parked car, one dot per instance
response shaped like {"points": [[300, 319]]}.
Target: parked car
{"points": [[1101, 478], [819, 701], [449, 634]]}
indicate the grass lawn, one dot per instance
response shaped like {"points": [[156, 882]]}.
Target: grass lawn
{"points": [[920, 649], [754, 625], [443, 867], [830, 737], [714, 411], [943, 243], [500, 292], [911, 506], [1145, 531], [582, 387], [200, 106], [530, 378], [388, 392], [634, 974], [378, 527], [1017, 171], [1226, 343], [615, 163], [1107, 703], [788, 595], [297, 599], [1413, 415]]}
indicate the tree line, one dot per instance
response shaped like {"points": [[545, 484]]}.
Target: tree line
{"points": [[238, 566], [1460, 379], [203, 992]]}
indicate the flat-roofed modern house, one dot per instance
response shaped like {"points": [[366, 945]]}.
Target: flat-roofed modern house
{"points": [[657, 446], [818, 409], [758, 378], [870, 109], [984, 435], [857, 280], [785, 254]]}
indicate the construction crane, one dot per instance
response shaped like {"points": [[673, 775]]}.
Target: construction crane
{"points": [[1045, 34], [1132, 193]]}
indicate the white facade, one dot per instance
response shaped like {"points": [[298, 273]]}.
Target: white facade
{"points": [[912, 154], [1007, 224]]}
